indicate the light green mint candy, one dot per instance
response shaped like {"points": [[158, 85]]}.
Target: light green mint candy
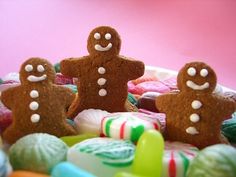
{"points": [[38, 152]]}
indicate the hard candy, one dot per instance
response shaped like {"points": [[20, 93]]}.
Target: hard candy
{"points": [[89, 121], [26, 174], [72, 140], [132, 99], [171, 83], [153, 86], [72, 87], [62, 80], [217, 160], [37, 152], [66, 169], [13, 76], [103, 157], [176, 159], [228, 129], [128, 125], [5, 117], [5, 167]]}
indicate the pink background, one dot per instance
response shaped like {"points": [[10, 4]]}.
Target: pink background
{"points": [[165, 33]]}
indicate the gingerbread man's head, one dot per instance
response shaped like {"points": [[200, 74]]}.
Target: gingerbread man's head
{"points": [[197, 77], [104, 40], [36, 70]]}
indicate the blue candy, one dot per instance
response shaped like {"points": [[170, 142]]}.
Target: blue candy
{"points": [[66, 169], [3, 164]]}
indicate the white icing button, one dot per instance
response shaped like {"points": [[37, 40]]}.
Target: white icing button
{"points": [[35, 118], [101, 70], [34, 94], [192, 131], [191, 71], [34, 105], [204, 72], [102, 92], [194, 118], [29, 68], [97, 36], [108, 36], [40, 68], [196, 104], [101, 81]]}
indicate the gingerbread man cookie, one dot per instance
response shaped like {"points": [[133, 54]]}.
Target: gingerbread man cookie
{"points": [[38, 105], [194, 115], [103, 74]]}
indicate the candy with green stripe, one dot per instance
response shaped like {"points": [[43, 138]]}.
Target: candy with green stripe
{"points": [[214, 161]]}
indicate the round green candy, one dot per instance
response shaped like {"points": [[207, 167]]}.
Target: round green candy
{"points": [[214, 161], [228, 129], [57, 67], [38, 152], [132, 99]]}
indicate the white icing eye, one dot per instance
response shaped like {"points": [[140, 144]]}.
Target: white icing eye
{"points": [[191, 71], [97, 36], [204, 72], [29, 68], [40, 68], [108, 36]]}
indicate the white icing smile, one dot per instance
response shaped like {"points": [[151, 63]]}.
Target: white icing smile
{"points": [[98, 47], [33, 78], [195, 86]]}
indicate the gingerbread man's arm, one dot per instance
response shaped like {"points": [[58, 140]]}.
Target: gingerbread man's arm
{"points": [[72, 67], [65, 95], [225, 106], [135, 68], [165, 102], [8, 97]]}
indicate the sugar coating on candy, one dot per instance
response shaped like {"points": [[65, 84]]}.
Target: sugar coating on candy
{"points": [[37, 152], [89, 121], [177, 158], [102, 156], [129, 125], [217, 160]]}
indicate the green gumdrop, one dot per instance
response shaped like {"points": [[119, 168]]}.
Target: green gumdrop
{"points": [[217, 160], [123, 174], [57, 68], [148, 155], [71, 140], [132, 99]]}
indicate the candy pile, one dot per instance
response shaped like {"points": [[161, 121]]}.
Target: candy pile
{"points": [[110, 144]]}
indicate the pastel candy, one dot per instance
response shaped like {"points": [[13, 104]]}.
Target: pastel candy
{"points": [[57, 67], [72, 87], [62, 80], [153, 86], [66, 169], [161, 117], [228, 129], [177, 157], [89, 121], [72, 140], [103, 157], [132, 99], [170, 82], [217, 160], [133, 89], [5, 167], [13, 76], [8, 84], [146, 77], [26, 174], [37, 152], [128, 125], [5, 117]]}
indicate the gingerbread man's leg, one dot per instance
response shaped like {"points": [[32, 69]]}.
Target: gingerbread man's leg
{"points": [[12, 134]]}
